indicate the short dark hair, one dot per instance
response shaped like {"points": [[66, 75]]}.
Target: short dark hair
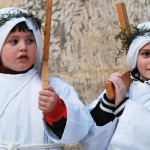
{"points": [[22, 26]]}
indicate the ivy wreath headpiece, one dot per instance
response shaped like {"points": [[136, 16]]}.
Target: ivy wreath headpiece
{"points": [[127, 35], [18, 14]]}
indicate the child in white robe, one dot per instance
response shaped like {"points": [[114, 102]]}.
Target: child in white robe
{"points": [[123, 123], [30, 117]]}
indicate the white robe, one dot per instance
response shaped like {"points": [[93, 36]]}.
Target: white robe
{"points": [[131, 131], [21, 121]]}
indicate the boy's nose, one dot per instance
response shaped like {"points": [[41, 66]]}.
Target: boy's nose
{"points": [[22, 46]]}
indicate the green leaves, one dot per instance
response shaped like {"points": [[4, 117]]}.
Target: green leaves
{"points": [[8, 16], [127, 35]]}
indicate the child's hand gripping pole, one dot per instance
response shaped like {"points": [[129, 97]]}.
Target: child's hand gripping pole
{"points": [[124, 22], [44, 76], [110, 87]]}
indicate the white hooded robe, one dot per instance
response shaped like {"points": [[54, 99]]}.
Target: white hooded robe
{"points": [[131, 131], [22, 123]]}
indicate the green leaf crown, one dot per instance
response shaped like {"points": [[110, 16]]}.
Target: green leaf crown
{"points": [[128, 34], [8, 16]]}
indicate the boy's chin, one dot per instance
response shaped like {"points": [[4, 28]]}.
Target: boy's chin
{"points": [[23, 69], [146, 78]]}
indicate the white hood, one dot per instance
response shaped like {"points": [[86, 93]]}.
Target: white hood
{"points": [[6, 28]]}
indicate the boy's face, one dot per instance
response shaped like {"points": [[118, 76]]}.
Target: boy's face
{"points": [[19, 51], [143, 62]]}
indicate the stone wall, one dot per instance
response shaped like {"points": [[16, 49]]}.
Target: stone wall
{"points": [[82, 49]]}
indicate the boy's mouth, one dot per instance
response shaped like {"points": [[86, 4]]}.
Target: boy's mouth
{"points": [[23, 57]]}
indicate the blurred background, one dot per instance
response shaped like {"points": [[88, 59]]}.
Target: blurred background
{"points": [[82, 44]]}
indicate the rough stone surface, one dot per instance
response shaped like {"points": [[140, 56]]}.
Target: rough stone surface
{"points": [[83, 48]]}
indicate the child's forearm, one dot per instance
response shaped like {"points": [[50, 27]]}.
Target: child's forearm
{"points": [[105, 111], [57, 118]]}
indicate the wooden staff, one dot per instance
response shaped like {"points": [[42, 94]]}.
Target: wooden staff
{"points": [[124, 22], [44, 76]]}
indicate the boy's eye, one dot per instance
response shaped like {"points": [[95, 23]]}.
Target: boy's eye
{"points": [[14, 41], [146, 53], [29, 41]]}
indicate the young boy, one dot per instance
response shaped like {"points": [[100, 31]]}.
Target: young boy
{"points": [[123, 123], [22, 123]]}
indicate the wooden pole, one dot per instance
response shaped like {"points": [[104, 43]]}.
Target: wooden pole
{"points": [[122, 14], [44, 76], [123, 17], [124, 22]]}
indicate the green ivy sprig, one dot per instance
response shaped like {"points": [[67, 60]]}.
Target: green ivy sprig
{"points": [[127, 35], [8, 16]]}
